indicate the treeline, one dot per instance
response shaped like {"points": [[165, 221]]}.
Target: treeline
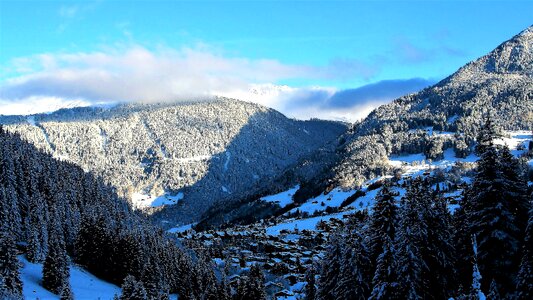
{"points": [[56, 214], [416, 249]]}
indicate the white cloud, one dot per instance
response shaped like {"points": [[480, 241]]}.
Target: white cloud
{"points": [[138, 74], [43, 82]]}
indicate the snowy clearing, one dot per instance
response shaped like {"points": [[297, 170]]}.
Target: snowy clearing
{"points": [[140, 200], [181, 228], [303, 224], [332, 199], [283, 198], [84, 285]]}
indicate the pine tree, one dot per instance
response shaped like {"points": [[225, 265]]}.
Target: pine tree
{"points": [[36, 224], [493, 294], [10, 283], [411, 239], [384, 281], [55, 268], [66, 293], [354, 277], [133, 289], [463, 245], [524, 288], [330, 269], [152, 280], [486, 136], [257, 281], [382, 223], [492, 219], [475, 292], [310, 287], [439, 253]]}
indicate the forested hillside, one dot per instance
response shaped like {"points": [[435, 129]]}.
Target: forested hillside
{"points": [[415, 248], [446, 115], [54, 213], [442, 118], [192, 153]]}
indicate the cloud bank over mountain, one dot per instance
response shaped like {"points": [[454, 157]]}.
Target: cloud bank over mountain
{"points": [[45, 82]]}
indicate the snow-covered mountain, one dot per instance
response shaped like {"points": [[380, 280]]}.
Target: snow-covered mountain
{"points": [[188, 153], [439, 122], [499, 85]]}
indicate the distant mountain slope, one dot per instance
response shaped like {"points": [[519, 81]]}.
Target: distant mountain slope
{"points": [[199, 151], [436, 123], [499, 84]]}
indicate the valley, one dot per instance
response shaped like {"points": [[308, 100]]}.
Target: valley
{"points": [[428, 197]]}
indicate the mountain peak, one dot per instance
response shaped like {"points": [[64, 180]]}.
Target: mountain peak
{"points": [[514, 56]]}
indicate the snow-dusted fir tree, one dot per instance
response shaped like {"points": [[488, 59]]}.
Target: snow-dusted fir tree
{"points": [[153, 280], [330, 268], [56, 265], [475, 292], [36, 224], [384, 281], [493, 218], [310, 287], [411, 238], [132, 289], [383, 222], [524, 287], [486, 136], [251, 286], [354, 279], [8, 180], [10, 283], [66, 293], [439, 254]]}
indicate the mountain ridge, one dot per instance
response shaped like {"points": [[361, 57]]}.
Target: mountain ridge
{"points": [[205, 150]]}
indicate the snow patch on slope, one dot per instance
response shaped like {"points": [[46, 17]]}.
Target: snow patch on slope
{"points": [[84, 285], [141, 200], [282, 199]]}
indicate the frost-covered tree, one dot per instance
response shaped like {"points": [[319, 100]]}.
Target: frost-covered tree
{"points": [[10, 283], [493, 218], [524, 288], [383, 222], [251, 286], [354, 277], [384, 281], [310, 287], [133, 289], [330, 268], [56, 271]]}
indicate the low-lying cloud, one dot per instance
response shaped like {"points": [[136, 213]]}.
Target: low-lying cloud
{"points": [[136, 73]]}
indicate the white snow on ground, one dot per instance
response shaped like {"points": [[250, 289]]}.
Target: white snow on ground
{"points": [[84, 285], [283, 198], [140, 200], [180, 228], [416, 164], [363, 202], [193, 158], [517, 138], [332, 199], [301, 224], [366, 200]]}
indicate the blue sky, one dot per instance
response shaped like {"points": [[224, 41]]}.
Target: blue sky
{"points": [[218, 45]]}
